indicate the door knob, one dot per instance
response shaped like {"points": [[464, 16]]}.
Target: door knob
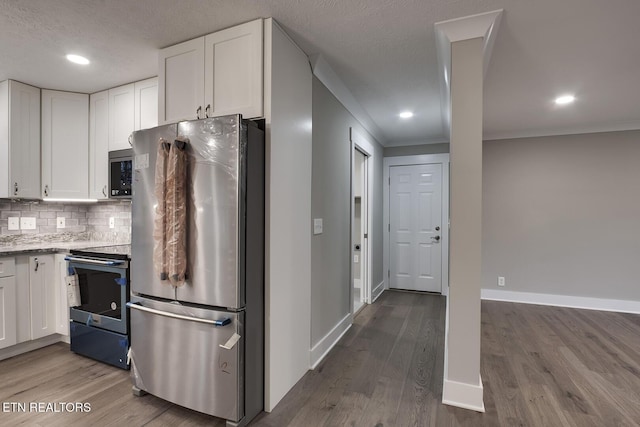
{"points": [[437, 228], [436, 238]]}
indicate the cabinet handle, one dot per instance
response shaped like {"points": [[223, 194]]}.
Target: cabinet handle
{"points": [[46, 191], [206, 110], [198, 112], [15, 189], [104, 191], [130, 140], [37, 264]]}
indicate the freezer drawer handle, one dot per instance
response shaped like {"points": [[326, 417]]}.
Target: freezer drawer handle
{"points": [[220, 322]]}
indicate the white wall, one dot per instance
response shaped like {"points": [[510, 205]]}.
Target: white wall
{"points": [[561, 215], [288, 92]]}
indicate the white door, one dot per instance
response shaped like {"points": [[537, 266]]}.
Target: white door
{"points": [[233, 71], [24, 127], [42, 296], [181, 82], [7, 311], [99, 145], [65, 145], [146, 104], [121, 116], [415, 223]]}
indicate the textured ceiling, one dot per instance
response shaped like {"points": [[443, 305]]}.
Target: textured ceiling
{"points": [[384, 51]]}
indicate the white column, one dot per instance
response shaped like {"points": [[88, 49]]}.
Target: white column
{"points": [[464, 46], [462, 383]]}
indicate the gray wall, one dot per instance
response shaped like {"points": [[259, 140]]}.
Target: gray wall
{"points": [[561, 215], [330, 200], [416, 150]]}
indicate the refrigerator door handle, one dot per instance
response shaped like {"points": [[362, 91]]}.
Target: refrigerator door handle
{"points": [[220, 322]]}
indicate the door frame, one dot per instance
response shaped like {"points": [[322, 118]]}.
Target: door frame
{"points": [[360, 142], [422, 159]]}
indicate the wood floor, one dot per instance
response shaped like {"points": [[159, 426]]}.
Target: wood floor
{"points": [[541, 366]]}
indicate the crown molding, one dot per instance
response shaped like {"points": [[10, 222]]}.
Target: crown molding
{"points": [[483, 25]]}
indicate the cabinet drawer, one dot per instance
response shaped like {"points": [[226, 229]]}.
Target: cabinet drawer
{"points": [[7, 267]]}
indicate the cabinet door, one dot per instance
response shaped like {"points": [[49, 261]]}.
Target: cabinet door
{"points": [[99, 145], [234, 71], [23, 309], [24, 140], [42, 298], [181, 81], [62, 306], [8, 322], [121, 107], [146, 104], [65, 145]]}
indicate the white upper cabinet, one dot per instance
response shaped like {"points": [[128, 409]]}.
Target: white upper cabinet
{"points": [[146, 104], [99, 145], [181, 81], [219, 74], [65, 145], [19, 140], [121, 116], [233, 71]]}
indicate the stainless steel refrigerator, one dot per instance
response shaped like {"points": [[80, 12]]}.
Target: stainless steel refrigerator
{"points": [[201, 345]]}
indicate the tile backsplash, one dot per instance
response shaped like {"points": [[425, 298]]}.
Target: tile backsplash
{"points": [[80, 218]]}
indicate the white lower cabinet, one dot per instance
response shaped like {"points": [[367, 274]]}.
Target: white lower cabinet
{"points": [[33, 302], [43, 296], [7, 303]]}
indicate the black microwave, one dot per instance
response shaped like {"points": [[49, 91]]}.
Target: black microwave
{"points": [[120, 173]]}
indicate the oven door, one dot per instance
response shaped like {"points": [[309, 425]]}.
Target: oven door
{"points": [[104, 293]]}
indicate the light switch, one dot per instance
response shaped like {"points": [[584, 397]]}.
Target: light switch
{"points": [[27, 223], [14, 223], [60, 222], [317, 226]]}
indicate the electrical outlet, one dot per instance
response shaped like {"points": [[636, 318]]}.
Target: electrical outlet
{"points": [[317, 226], [112, 222], [14, 223], [60, 222], [28, 223], [500, 281]]}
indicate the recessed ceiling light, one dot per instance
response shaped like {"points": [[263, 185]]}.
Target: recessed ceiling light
{"points": [[77, 59], [565, 99], [406, 115]]}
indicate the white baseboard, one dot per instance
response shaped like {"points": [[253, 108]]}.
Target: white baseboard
{"points": [[322, 348], [28, 346], [463, 395], [589, 303], [377, 291]]}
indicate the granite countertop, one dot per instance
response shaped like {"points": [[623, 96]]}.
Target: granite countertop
{"points": [[20, 249], [21, 245]]}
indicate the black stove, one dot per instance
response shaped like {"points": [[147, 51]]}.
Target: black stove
{"points": [[100, 318]]}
